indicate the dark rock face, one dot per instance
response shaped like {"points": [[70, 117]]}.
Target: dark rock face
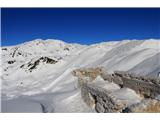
{"points": [[34, 65], [4, 49], [47, 60], [19, 53], [66, 48], [11, 61], [22, 66], [14, 52]]}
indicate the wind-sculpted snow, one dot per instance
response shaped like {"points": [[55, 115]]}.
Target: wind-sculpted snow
{"points": [[122, 49], [149, 66], [53, 62]]}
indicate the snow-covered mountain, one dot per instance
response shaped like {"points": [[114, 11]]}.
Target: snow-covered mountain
{"points": [[42, 69]]}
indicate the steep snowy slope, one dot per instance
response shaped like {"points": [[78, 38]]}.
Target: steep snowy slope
{"points": [[149, 66], [128, 54], [41, 69]]}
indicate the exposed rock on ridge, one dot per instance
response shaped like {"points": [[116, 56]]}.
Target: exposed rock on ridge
{"points": [[104, 101]]}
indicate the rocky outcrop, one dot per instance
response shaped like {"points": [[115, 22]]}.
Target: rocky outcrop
{"points": [[14, 52], [103, 101], [4, 49], [146, 106], [11, 61], [148, 87], [33, 65], [90, 73]]}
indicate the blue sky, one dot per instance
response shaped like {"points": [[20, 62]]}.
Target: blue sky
{"points": [[79, 25]]}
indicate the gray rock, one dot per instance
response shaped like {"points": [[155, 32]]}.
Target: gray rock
{"points": [[99, 108]]}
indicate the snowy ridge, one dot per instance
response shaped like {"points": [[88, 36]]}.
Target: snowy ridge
{"points": [[49, 79]]}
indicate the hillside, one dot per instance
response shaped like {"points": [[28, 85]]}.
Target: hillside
{"points": [[39, 72]]}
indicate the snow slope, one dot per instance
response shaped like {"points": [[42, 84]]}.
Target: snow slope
{"points": [[41, 69]]}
